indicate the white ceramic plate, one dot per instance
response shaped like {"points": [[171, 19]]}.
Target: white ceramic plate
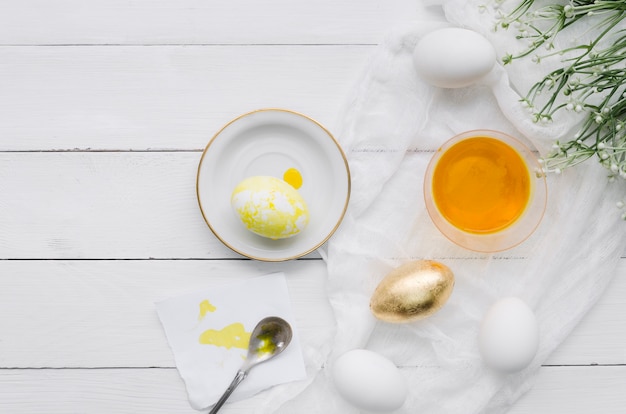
{"points": [[269, 142]]}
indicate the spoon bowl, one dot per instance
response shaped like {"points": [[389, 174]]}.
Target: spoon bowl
{"points": [[269, 338]]}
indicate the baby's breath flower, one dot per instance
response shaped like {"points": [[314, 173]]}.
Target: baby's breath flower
{"points": [[590, 79], [568, 11]]}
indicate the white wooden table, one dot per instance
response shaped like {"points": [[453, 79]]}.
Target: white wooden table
{"points": [[105, 107]]}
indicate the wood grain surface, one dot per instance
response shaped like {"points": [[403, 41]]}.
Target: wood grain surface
{"points": [[105, 108]]}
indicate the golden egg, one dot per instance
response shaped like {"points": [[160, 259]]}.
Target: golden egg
{"points": [[412, 291]]}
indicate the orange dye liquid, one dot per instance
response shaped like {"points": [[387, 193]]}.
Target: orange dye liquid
{"points": [[481, 185]]}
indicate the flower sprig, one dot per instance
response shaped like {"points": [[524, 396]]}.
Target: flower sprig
{"points": [[590, 78], [541, 26]]}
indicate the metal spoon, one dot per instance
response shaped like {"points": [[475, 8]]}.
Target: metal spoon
{"points": [[268, 339]]}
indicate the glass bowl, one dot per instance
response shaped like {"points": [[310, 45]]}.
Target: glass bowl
{"points": [[485, 190]]}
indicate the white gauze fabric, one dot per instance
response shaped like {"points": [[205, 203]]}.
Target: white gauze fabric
{"points": [[392, 124]]}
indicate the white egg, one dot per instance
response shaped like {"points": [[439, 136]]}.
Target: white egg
{"points": [[270, 207], [369, 381], [453, 57], [509, 335]]}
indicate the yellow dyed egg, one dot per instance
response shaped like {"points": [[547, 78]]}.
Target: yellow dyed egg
{"points": [[270, 207], [412, 291]]}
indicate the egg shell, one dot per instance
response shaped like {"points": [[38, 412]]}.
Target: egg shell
{"points": [[270, 207], [412, 291], [509, 335], [453, 57], [369, 381]]}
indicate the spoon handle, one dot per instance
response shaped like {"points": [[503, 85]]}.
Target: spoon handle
{"points": [[241, 375]]}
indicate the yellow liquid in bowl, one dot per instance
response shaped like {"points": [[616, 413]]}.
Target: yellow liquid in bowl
{"points": [[481, 185]]}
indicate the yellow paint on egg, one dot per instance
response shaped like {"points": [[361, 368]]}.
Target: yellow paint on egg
{"points": [[293, 177], [231, 336], [270, 207], [205, 307]]}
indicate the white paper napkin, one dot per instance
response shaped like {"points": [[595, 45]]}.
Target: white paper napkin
{"points": [[207, 330]]}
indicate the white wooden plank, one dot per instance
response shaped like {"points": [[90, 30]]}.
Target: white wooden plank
{"points": [[73, 314], [575, 390], [94, 391], [601, 335], [572, 390], [102, 205], [162, 97], [200, 22]]}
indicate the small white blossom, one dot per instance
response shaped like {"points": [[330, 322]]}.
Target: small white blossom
{"points": [[568, 11]]}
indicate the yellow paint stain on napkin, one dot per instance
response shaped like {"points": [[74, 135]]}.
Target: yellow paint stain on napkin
{"points": [[205, 307], [231, 336]]}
